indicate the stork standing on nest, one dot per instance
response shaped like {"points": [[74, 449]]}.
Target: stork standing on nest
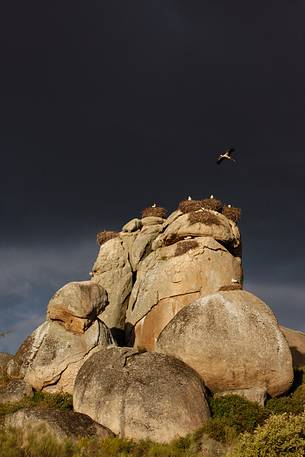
{"points": [[227, 155]]}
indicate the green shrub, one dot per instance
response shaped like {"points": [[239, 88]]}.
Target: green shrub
{"points": [[237, 412], [293, 404], [281, 436], [218, 429]]}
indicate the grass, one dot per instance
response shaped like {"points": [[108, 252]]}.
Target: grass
{"points": [[62, 402], [38, 443], [232, 213], [105, 235], [203, 217], [185, 246], [156, 211]]}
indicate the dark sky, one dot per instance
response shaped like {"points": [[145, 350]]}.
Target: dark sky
{"points": [[109, 106]]}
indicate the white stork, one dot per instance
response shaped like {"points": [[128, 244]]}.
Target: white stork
{"points": [[227, 155]]}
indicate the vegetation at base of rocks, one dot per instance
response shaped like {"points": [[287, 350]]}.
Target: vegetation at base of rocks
{"points": [[281, 435], [212, 203], [105, 235], [185, 246], [203, 217], [187, 206], [232, 213], [38, 443], [156, 211], [235, 412], [62, 402], [230, 287], [293, 404]]}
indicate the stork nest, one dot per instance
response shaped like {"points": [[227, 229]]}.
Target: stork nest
{"points": [[185, 246], [203, 217], [235, 286], [104, 236], [187, 206], [212, 203], [232, 213], [158, 211]]}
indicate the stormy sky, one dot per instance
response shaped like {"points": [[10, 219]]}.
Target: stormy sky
{"points": [[109, 106]]}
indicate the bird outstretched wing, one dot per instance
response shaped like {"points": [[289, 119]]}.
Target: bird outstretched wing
{"points": [[230, 151]]}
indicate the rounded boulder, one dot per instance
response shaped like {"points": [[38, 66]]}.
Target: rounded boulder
{"points": [[233, 340], [141, 395]]}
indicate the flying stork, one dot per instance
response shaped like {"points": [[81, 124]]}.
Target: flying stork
{"points": [[227, 155]]}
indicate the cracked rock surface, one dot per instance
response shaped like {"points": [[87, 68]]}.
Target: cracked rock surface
{"points": [[141, 395], [148, 281], [233, 341], [50, 358], [167, 282], [112, 270]]}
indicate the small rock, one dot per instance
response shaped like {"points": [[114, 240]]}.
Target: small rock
{"points": [[132, 226], [152, 220], [15, 390], [257, 395]]}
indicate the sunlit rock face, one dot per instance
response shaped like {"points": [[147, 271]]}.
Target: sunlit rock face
{"points": [[141, 395], [156, 266], [50, 358], [233, 341]]}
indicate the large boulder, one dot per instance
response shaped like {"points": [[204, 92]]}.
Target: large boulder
{"points": [[296, 341], [77, 304], [141, 395], [112, 270], [174, 276], [50, 358], [232, 339], [60, 424]]}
